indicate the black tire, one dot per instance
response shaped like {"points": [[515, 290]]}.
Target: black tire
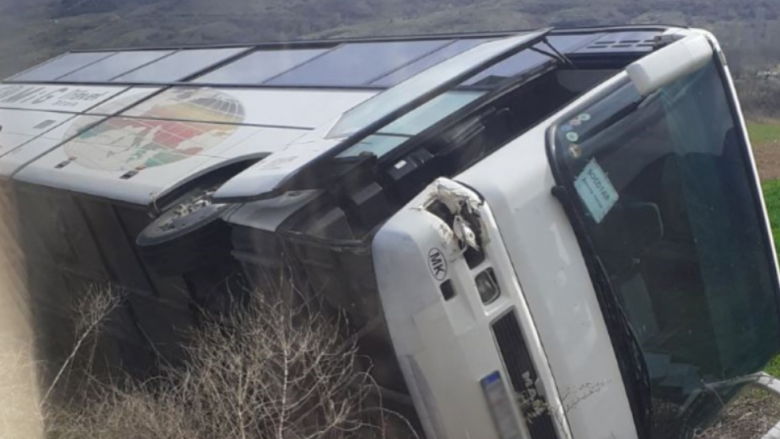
{"points": [[177, 243]]}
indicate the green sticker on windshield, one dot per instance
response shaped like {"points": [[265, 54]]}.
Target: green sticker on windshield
{"points": [[596, 191]]}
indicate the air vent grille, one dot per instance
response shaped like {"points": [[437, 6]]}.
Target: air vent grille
{"points": [[621, 45]]}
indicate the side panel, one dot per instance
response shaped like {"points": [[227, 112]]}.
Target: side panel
{"points": [[280, 108], [20, 127], [460, 343], [67, 98], [443, 377], [517, 181]]}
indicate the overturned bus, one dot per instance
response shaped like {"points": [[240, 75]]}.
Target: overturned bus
{"points": [[563, 218]]}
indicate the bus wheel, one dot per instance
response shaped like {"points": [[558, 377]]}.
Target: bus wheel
{"points": [[188, 236]]}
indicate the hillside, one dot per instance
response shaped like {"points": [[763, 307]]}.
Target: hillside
{"points": [[34, 30]]}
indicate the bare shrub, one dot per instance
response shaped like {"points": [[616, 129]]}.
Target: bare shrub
{"points": [[271, 370], [759, 97], [92, 310]]}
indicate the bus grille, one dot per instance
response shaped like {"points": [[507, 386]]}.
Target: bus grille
{"points": [[523, 376]]}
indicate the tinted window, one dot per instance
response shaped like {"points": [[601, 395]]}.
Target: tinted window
{"points": [[664, 190], [115, 65], [569, 43], [260, 66], [528, 60], [178, 66], [378, 145], [61, 66], [432, 112], [374, 109], [510, 67], [357, 64], [426, 62]]}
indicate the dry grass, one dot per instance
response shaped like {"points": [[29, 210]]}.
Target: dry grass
{"points": [[272, 371], [93, 309], [269, 371], [750, 416]]}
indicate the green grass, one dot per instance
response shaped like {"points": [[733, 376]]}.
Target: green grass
{"points": [[773, 368], [763, 133], [772, 197]]}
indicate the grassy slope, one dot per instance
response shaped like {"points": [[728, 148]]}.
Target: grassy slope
{"points": [[772, 198], [763, 134]]}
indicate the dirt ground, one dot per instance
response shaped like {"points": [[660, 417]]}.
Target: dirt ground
{"points": [[767, 157], [750, 416]]}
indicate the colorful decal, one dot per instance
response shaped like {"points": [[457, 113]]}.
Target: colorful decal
{"points": [[159, 136], [53, 97]]}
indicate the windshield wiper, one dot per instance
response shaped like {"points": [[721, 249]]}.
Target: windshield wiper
{"points": [[557, 54]]}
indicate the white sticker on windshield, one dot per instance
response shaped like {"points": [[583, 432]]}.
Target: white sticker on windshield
{"points": [[596, 191]]}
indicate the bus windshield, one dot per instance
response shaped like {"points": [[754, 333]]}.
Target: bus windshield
{"points": [[663, 190]]}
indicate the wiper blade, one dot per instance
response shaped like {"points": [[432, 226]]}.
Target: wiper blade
{"points": [[560, 55]]}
